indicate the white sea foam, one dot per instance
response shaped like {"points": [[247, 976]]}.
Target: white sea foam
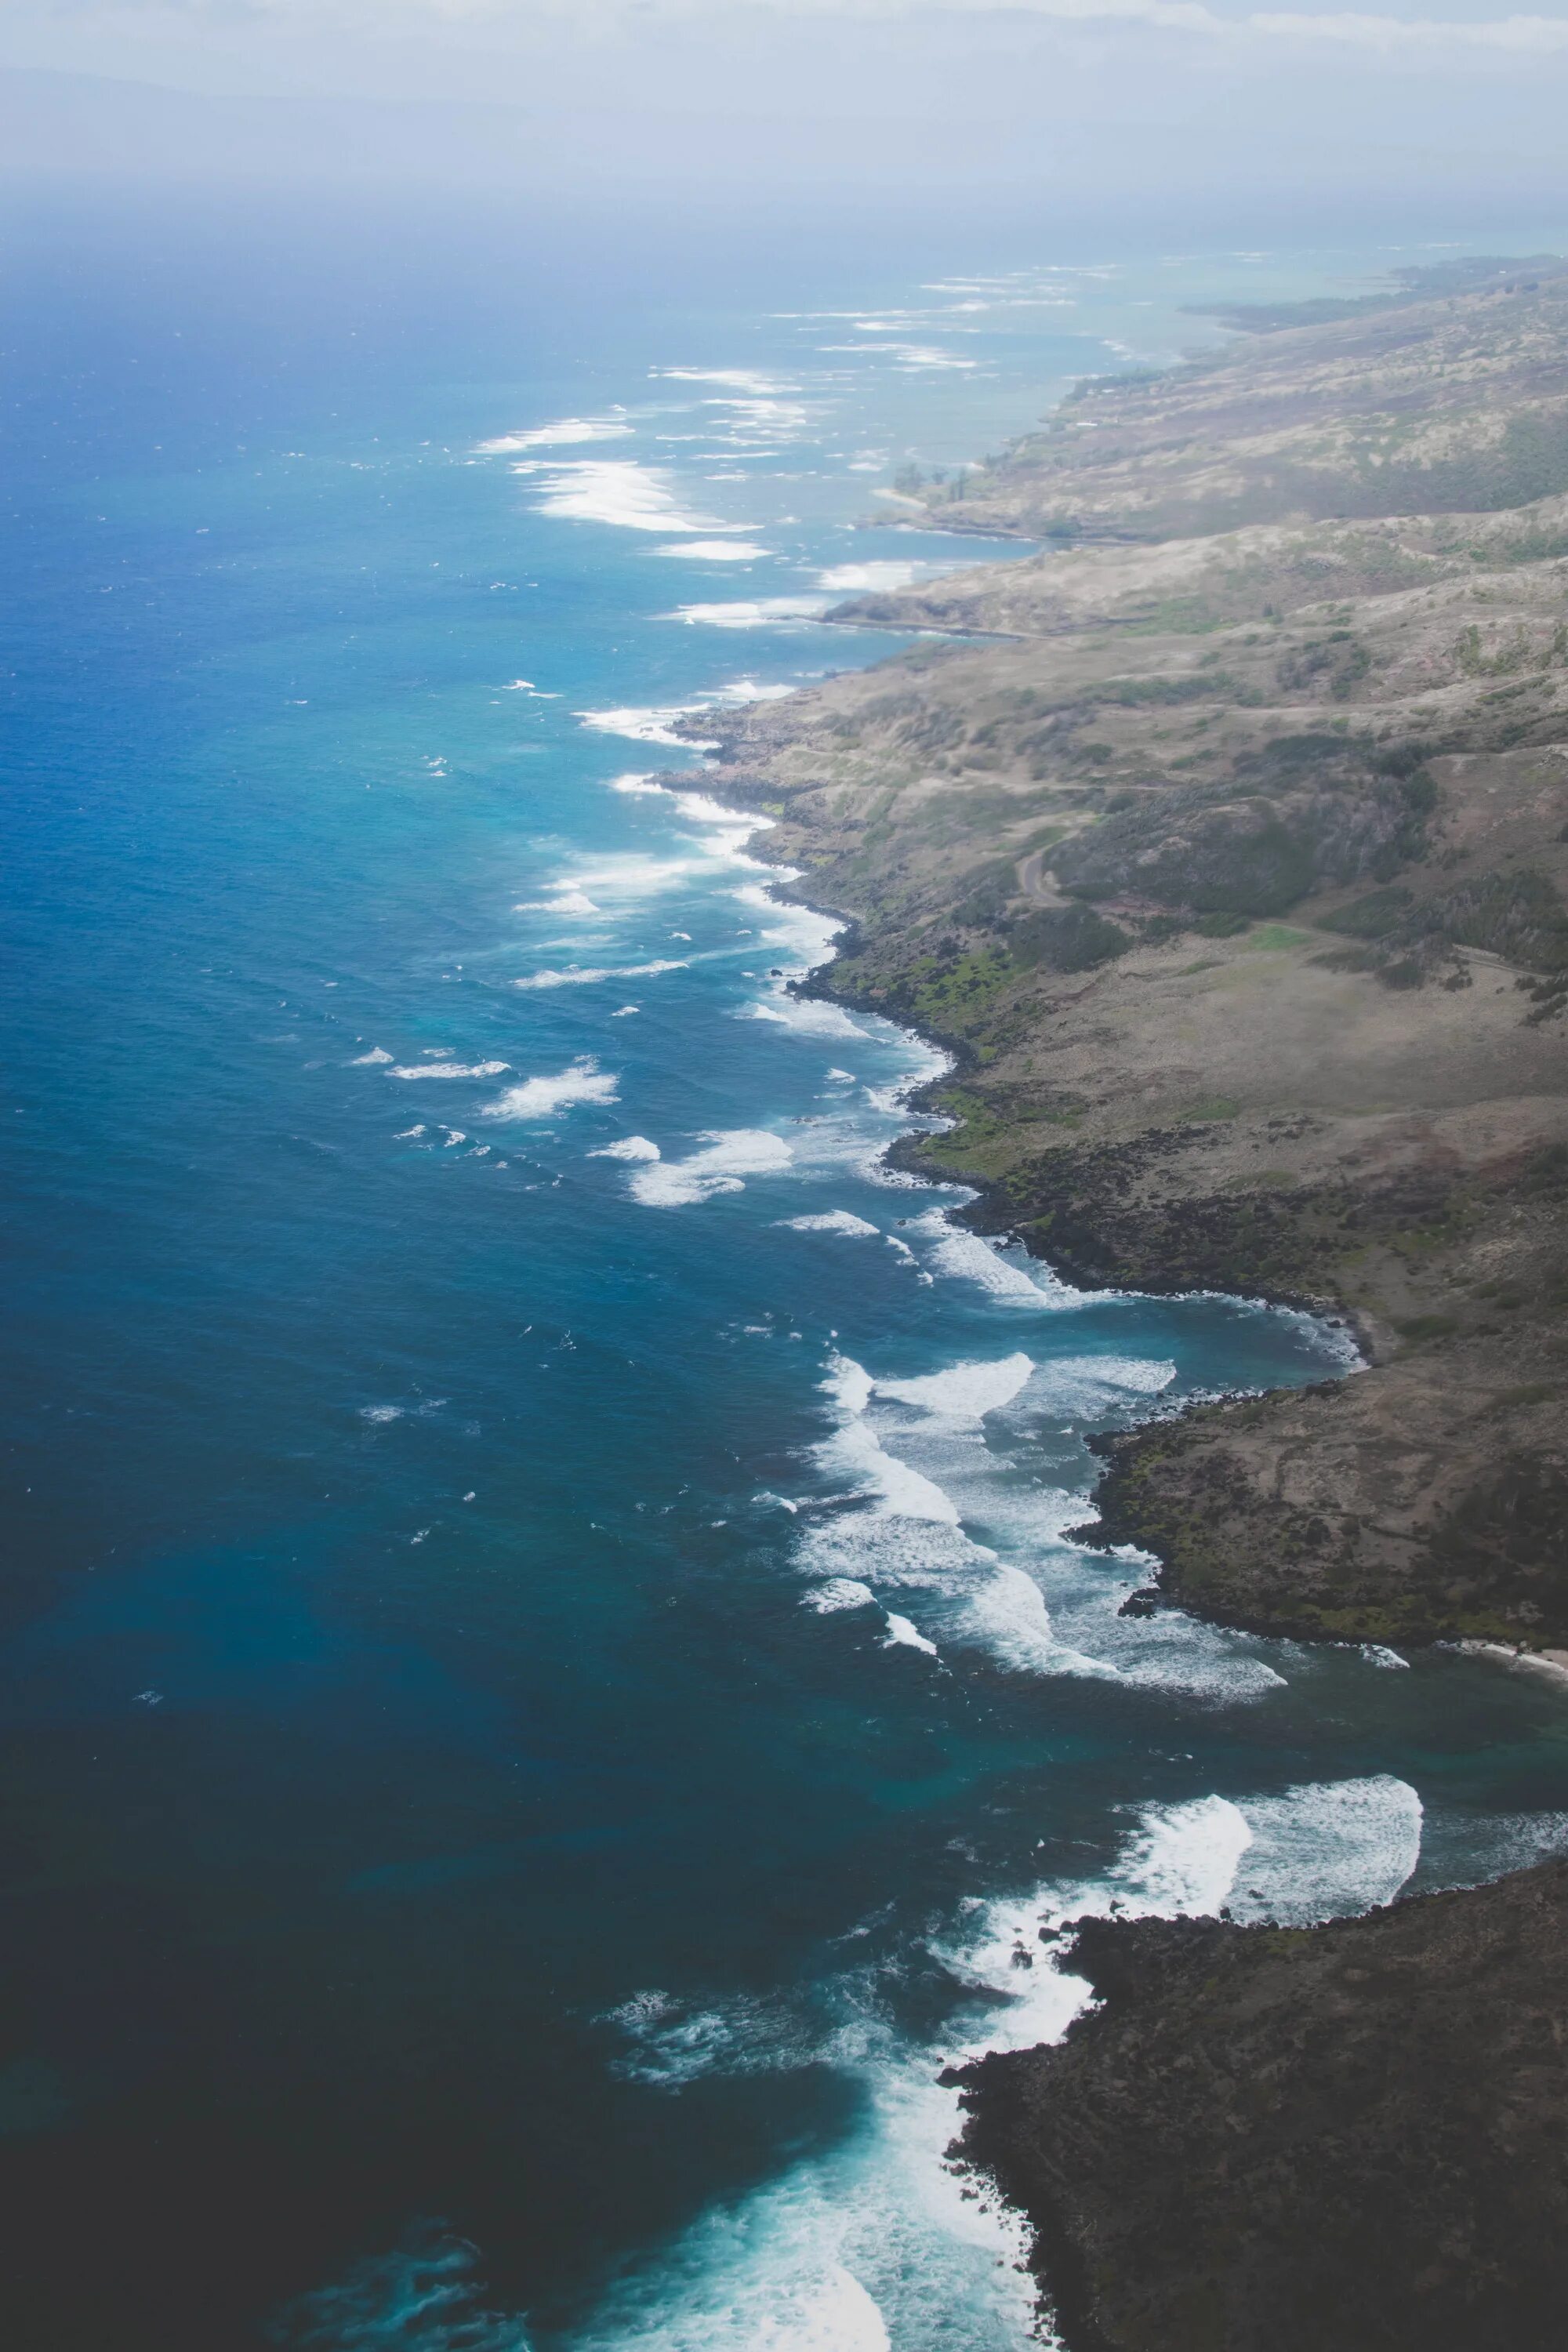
{"points": [[1328, 1848], [577, 975], [1469, 1848], [760, 612], [568, 431], [919, 1461], [583, 1082], [964, 1391], [382, 1411], [1088, 1386], [630, 1146], [854, 1451], [746, 380], [642, 726], [376, 1054], [875, 2242], [901, 1634], [567, 900], [726, 1158], [934, 2265], [898, 1491], [832, 1221], [809, 1016], [449, 1070], [837, 1593], [717, 550], [629, 876], [615, 491], [967, 1258]]}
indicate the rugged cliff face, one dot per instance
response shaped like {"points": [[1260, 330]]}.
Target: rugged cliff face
{"points": [[1348, 2138], [1235, 873]]}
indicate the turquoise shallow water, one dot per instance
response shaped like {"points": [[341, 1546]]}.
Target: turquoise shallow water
{"points": [[543, 1689]]}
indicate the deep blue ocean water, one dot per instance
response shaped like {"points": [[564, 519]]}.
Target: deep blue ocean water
{"points": [[543, 1689]]}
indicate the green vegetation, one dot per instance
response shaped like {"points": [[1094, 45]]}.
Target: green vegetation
{"points": [[1067, 938], [1274, 938]]}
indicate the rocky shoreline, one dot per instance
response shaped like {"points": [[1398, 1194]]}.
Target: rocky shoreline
{"points": [[1270, 2139], [1224, 847]]}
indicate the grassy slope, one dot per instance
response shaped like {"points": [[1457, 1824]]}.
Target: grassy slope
{"points": [[1236, 873]]}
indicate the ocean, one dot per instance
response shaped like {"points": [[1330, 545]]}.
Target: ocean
{"points": [[545, 1687]]}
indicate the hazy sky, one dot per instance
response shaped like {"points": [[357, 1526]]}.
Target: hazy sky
{"points": [[1144, 95]]}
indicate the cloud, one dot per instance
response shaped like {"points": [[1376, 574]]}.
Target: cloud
{"points": [[1518, 35]]}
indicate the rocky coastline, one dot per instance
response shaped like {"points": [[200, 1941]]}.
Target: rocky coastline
{"points": [[1225, 846], [1274, 2139]]}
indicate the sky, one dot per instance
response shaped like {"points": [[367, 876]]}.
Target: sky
{"points": [[1177, 101]]}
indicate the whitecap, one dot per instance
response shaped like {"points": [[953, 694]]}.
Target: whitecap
{"points": [[614, 490], [717, 550], [567, 433], [450, 1070], [964, 1391], [809, 1016], [968, 1258], [758, 613], [747, 379], [647, 726], [837, 1593], [902, 1634], [630, 1146], [728, 1157], [376, 1054], [566, 901], [1328, 1848], [583, 1082], [831, 1221], [898, 1491], [578, 975]]}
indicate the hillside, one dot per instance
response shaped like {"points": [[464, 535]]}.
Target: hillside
{"points": [[1232, 863]]}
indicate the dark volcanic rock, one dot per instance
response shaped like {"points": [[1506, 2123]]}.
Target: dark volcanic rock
{"points": [[1346, 2138]]}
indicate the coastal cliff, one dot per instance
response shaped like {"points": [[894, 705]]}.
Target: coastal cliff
{"points": [[1224, 842], [1272, 2139], [1232, 867]]}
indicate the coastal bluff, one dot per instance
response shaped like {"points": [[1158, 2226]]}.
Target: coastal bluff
{"points": [[1231, 867], [1222, 840], [1346, 2138]]}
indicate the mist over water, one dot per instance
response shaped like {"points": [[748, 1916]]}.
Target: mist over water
{"points": [[549, 1690]]}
